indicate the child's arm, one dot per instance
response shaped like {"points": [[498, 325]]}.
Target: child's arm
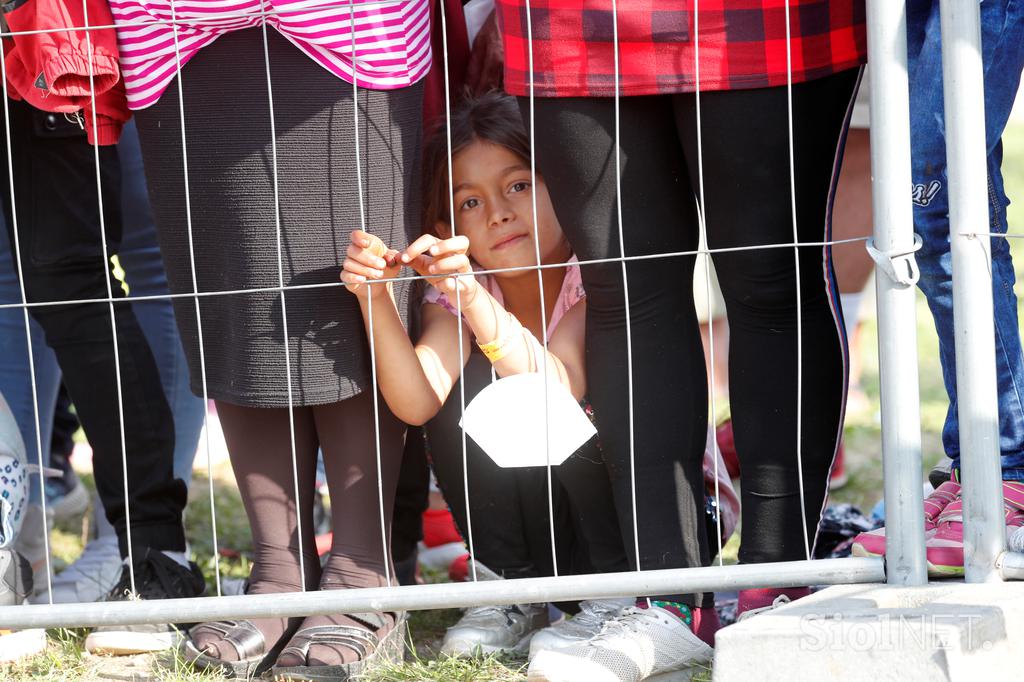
{"points": [[415, 381], [505, 342], [568, 344]]}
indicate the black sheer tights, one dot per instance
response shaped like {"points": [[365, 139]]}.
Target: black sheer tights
{"points": [[259, 442]]}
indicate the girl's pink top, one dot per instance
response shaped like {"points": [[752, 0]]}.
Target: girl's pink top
{"points": [[379, 44], [570, 294]]}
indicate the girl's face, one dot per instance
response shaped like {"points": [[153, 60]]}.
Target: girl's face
{"points": [[494, 208]]}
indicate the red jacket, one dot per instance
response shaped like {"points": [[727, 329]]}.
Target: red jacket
{"points": [[51, 70]]}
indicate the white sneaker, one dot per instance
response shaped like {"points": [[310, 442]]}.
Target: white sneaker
{"points": [[780, 601], [638, 644], [15, 584], [491, 629], [1016, 542], [134, 639], [89, 578], [581, 627], [441, 557], [21, 643]]}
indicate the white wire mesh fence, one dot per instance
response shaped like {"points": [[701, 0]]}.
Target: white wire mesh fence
{"points": [[893, 239]]}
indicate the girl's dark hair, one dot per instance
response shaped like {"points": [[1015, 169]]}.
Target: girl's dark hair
{"points": [[494, 118]]}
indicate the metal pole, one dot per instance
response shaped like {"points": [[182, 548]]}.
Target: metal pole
{"points": [[1011, 565], [448, 595], [973, 324], [894, 279]]}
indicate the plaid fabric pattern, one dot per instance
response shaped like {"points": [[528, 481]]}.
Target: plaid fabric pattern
{"points": [[742, 44]]}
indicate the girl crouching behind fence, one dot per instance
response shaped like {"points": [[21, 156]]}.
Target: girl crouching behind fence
{"points": [[493, 229]]}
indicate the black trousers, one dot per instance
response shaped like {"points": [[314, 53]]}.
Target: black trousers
{"points": [[411, 497], [508, 508], [62, 258], [747, 201]]}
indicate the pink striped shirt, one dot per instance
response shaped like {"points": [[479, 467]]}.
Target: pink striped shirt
{"points": [[392, 37]]}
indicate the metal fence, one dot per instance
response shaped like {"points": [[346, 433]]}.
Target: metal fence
{"points": [[894, 245]]}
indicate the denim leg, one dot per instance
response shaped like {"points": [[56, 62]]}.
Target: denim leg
{"points": [[1002, 24], [140, 258], [15, 380]]}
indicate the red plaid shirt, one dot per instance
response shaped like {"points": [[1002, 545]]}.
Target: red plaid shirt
{"points": [[742, 44]]}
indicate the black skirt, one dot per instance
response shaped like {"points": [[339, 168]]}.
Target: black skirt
{"points": [[236, 240]]}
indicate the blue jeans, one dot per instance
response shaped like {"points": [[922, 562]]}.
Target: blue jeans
{"points": [[1002, 25], [140, 257], [15, 381]]}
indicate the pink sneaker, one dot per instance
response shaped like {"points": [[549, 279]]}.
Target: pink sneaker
{"points": [[945, 549], [872, 543]]}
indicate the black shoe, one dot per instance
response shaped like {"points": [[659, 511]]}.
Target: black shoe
{"points": [[940, 473], [405, 569], [156, 577]]}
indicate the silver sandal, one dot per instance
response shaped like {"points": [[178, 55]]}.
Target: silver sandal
{"points": [[248, 643], [372, 651]]}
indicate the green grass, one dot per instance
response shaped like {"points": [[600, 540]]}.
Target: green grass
{"points": [[64, 658], [233, 537]]}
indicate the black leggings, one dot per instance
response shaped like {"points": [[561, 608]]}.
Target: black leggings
{"points": [[509, 507], [747, 194]]}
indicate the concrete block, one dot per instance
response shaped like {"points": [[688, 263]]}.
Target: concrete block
{"points": [[943, 631]]}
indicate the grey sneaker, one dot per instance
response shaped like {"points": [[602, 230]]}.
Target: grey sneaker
{"points": [[89, 578], [581, 627], [156, 577], [31, 544], [492, 629]]}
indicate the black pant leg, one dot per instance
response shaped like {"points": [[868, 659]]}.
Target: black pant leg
{"points": [[575, 152], [591, 508], [411, 496], [62, 258], [65, 423], [748, 196]]}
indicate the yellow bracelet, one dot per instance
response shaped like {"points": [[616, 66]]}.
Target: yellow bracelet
{"points": [[499, 348]]}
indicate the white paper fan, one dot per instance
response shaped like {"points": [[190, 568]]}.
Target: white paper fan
{"points": [[507, 421]]}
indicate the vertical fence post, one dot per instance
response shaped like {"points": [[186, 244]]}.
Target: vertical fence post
{"points": [[897, 333], [973, 324]]}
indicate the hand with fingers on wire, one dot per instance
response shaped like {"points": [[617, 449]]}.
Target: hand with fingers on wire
{"points": [[439, 260], [367, 259]]}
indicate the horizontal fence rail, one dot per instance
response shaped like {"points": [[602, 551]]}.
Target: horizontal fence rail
{"points": [[450, 595]]}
